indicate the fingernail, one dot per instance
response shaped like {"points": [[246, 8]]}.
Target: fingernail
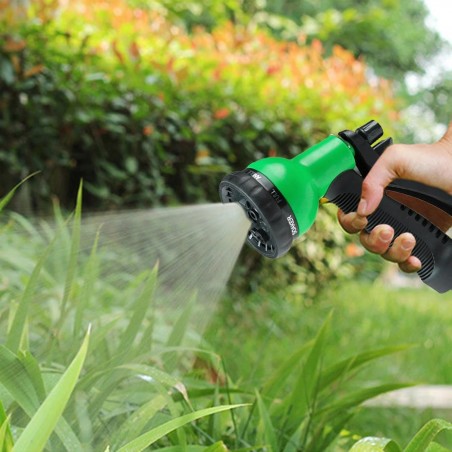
{"points": [[386, 235], [407, 244], [362, 207], [359, 222]]}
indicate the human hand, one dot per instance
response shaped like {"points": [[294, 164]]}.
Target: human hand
{"points": [[430, 164]]}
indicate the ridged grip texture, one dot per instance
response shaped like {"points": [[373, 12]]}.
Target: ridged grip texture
{"points": [[433, 247]]}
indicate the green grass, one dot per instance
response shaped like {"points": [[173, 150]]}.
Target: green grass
{"points": [[262, 331], [366, 315], [119, 391], [298, 369]]}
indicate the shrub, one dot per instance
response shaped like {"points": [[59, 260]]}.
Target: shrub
{"points": [[148, 114]]}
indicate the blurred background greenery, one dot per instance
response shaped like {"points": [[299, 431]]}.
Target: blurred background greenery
{"points": [[151, 102]]}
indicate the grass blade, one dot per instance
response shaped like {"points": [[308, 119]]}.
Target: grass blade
{"points": [[150, 437], [187, 449], [17, 328], [269, 434], [276, 381], [376, 444], [427, 434], [325, 434], [73, 254], [354, 399], [31, 366], [345, 366], [7, 198], [6, 438], [177, 334], [435, 447], [217, 447], [303, 399], [37, 432], [136, 422], [15, 379], [91, 275], [24, 386], [139, 310]]}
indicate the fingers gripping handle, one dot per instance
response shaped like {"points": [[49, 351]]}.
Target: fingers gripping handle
{"points": [[433, 247]]}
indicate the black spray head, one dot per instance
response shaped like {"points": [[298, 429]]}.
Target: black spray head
{"points": [[273, 224]]}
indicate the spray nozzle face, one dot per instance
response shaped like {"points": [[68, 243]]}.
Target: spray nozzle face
{"points": [[273, 224]]}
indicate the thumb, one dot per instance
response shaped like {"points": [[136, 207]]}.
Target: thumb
{"points": [[426, 163], [393, 164]]}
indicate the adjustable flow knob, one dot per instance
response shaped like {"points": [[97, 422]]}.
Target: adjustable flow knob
{"points": [[371, 131]]}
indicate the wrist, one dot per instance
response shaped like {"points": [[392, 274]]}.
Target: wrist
{"points": [[446, 140]]}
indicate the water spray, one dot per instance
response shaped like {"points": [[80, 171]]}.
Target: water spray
{"points": [[281, 198]]}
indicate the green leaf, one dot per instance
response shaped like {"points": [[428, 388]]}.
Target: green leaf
{"points": [[304, 395], [73, 254], [342, 368], [6, 438], [217, 447], [435, 447], [156, 374], [17, 328], [327, 433], [355, 398], [137, 421], [178, 332], [31, 366], [7, 198], [186, 449], [90, 277], [276, 381], [7, 74], [24, 387], [131, 164], [38, 430], [150, 437], [139, 309], [373, 444], [266, 426], [16, 380], [427, 434]]}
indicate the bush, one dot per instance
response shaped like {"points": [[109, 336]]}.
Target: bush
{"points": [[148, 114]]}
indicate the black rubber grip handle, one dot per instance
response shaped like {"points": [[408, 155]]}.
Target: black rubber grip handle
{"points": [[433, 247]]}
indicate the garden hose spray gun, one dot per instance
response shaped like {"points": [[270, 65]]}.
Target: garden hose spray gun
{"points": [[281, 198]]}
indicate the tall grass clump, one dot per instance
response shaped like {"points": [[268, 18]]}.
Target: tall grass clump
{"points": [[86, 363], [119, 389]]}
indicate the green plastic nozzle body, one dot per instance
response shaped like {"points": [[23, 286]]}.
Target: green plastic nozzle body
{"points": [[304, 179]]}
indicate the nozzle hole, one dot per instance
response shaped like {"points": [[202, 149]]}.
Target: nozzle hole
{"points": [[254, 216]]}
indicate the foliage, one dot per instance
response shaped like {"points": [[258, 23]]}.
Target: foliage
{"points": [[422, 441], [150, 114], [254, 335], [121, 383], [126, 396], [370, 29], [437, 97]]}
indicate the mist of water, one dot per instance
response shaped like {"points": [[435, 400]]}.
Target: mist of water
{"points": [[195, 248]]}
